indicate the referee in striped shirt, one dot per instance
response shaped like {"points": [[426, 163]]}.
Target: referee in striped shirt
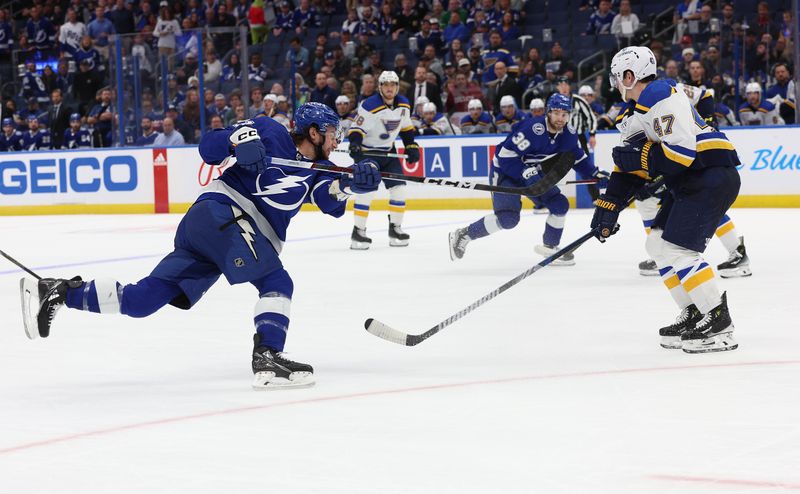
{"points": [[582, 120]]}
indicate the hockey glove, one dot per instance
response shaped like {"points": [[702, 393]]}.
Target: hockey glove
{"points": [[355, 149], [649, 190], [632, 157], [412, 151], [606, 214], [248, 148], [366, 178], [531, 175], [602, 177]]}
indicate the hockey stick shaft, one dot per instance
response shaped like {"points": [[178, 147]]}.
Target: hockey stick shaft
{"points": [[381, 330], [377, 154], [537, 189], [20, 265]]}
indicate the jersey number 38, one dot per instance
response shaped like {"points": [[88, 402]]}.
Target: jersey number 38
{"points": [[520, 141]]}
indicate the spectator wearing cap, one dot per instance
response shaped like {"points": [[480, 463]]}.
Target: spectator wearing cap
{"points": [[421, 87], [36, 138], [269, 106], [149, 134], [170, 136], [434, 123], [58, 117], [460, 92], [586, 92], [626, 23], [496, 53], [476, 121], [427, 36], [685, 42], [687, 55], [282, 113], [536, 107], [347, 115], [465, 67], [711, 61], [41, 32], [284, 19], [506, 85], [322, 93], [456, 29], [167, 28], [601, 20], [508, 115], [297, 56]]}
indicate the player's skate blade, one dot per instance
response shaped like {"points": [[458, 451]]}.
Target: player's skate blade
{"points": [[267, 381], [397, 237], [458, 243], [648, 268], [29, 293], [568, 259], [359, 239], [737, 265], [713, 333]]}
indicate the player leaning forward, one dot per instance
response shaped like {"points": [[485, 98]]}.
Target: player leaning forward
{"points": [[380, 119], [236, 228], [666, 137]]}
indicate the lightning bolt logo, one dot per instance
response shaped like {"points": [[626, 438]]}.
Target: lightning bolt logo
{"points": [[248, 234], [282, 185]]}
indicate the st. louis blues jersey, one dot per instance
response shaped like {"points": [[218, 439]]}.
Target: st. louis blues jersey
{"points": [[531, 144], [439, 126], [492, 56], [378, 125], [764, 114], [272, 197], [483, 125], [347, 121], [31, 141], [11, 142], [74, 140], [505, 124]]}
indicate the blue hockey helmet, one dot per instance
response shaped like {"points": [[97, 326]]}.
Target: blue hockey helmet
{"points": [[558, 101], [75, 117], [315, 114], [8, 121]]}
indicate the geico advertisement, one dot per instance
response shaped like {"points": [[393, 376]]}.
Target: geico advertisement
{"points": [[80, 177], [770, 157]]}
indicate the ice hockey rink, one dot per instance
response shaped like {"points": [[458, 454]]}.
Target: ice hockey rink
{"points": [[557, 386]]}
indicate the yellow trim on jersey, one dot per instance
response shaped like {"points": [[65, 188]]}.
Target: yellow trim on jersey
{"points": [[647, 230], [406, 129], [698, 279], [353, 130], [620, 117], [672, 282], [714, 144], [404, 104], [725, 228], [376, 110], [676, 157], [642, 108]]}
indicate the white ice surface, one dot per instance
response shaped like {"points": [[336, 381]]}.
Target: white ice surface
{"points": [[557, 386]]}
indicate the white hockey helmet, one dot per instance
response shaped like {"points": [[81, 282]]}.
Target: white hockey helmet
{"points": [[388, 76], [474, 104], [638, 59], [752, 87], [536, 104], [507, 100], [342, 98], [585, 89], [429, 108], [422, 100]]}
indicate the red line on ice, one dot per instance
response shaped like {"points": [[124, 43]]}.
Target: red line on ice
{"points": [[713, 480], [384, 392]]}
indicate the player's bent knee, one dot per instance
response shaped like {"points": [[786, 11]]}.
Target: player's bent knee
{"points": [[507, 220], [558, 204], [276, 282]]}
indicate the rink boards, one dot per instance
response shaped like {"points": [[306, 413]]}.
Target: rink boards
{"points": [[161, 180]]}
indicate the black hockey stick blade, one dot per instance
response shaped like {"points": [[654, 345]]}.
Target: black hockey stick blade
{"points": [[554, 170], [382, 330]]}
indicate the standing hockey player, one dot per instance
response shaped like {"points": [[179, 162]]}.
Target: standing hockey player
{"points": [[665, 136], [381, 117], [517, 163], [237, 228]]}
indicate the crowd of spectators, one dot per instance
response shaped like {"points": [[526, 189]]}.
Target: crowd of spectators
{"points": [[455, 57]]}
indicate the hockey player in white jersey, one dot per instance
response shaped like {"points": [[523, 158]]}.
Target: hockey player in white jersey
{"points": [[756, 110], [665, 136], [435, 123], [380, 119]]}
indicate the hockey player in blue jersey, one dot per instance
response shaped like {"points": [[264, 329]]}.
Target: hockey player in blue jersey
{"points": [[74, 136], [236, 228], [517, 163], [10, 137], [36, 138], [666, 137]]}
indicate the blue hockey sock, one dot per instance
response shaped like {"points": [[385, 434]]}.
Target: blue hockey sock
{"points": [[100, 295], [553, 228], [271, 329]]}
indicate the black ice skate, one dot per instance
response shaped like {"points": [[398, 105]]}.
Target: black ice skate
{"points": [[274, 371], [671, 335], [648, 268], [458, 243], [359, 239], [568, 259], [397, 237], [713, 333], [41, 301], [737, 265]]}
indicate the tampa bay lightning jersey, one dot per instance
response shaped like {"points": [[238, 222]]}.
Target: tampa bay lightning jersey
{"points": [[11, 142], [531, 143], [271, 197], [74, 140], [31, 141]]}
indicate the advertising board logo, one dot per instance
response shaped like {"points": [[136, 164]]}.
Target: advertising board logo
{"points": [[61, 176], [206, 173], [773, 159]]}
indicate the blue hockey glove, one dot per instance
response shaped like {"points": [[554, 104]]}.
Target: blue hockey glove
{"points": [[412, 151], [366, 178], [632, 157], [602, 177], [606, 214], [248, 148]]}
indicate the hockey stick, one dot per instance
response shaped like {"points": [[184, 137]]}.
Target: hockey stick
{"points": [[389, 333], [376, 154], [20, 265], [556, 169]]}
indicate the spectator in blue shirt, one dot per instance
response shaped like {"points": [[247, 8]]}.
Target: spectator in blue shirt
{"points": [[456, 30], [99, 30], [298, 54], [601, 20], [323, 93]]}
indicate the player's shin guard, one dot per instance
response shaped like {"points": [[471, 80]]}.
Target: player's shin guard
{"points": [[553, 228], [271, 319], [397, 204], [727, 234], [101, 296], [361, 209], [484, 227]]}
